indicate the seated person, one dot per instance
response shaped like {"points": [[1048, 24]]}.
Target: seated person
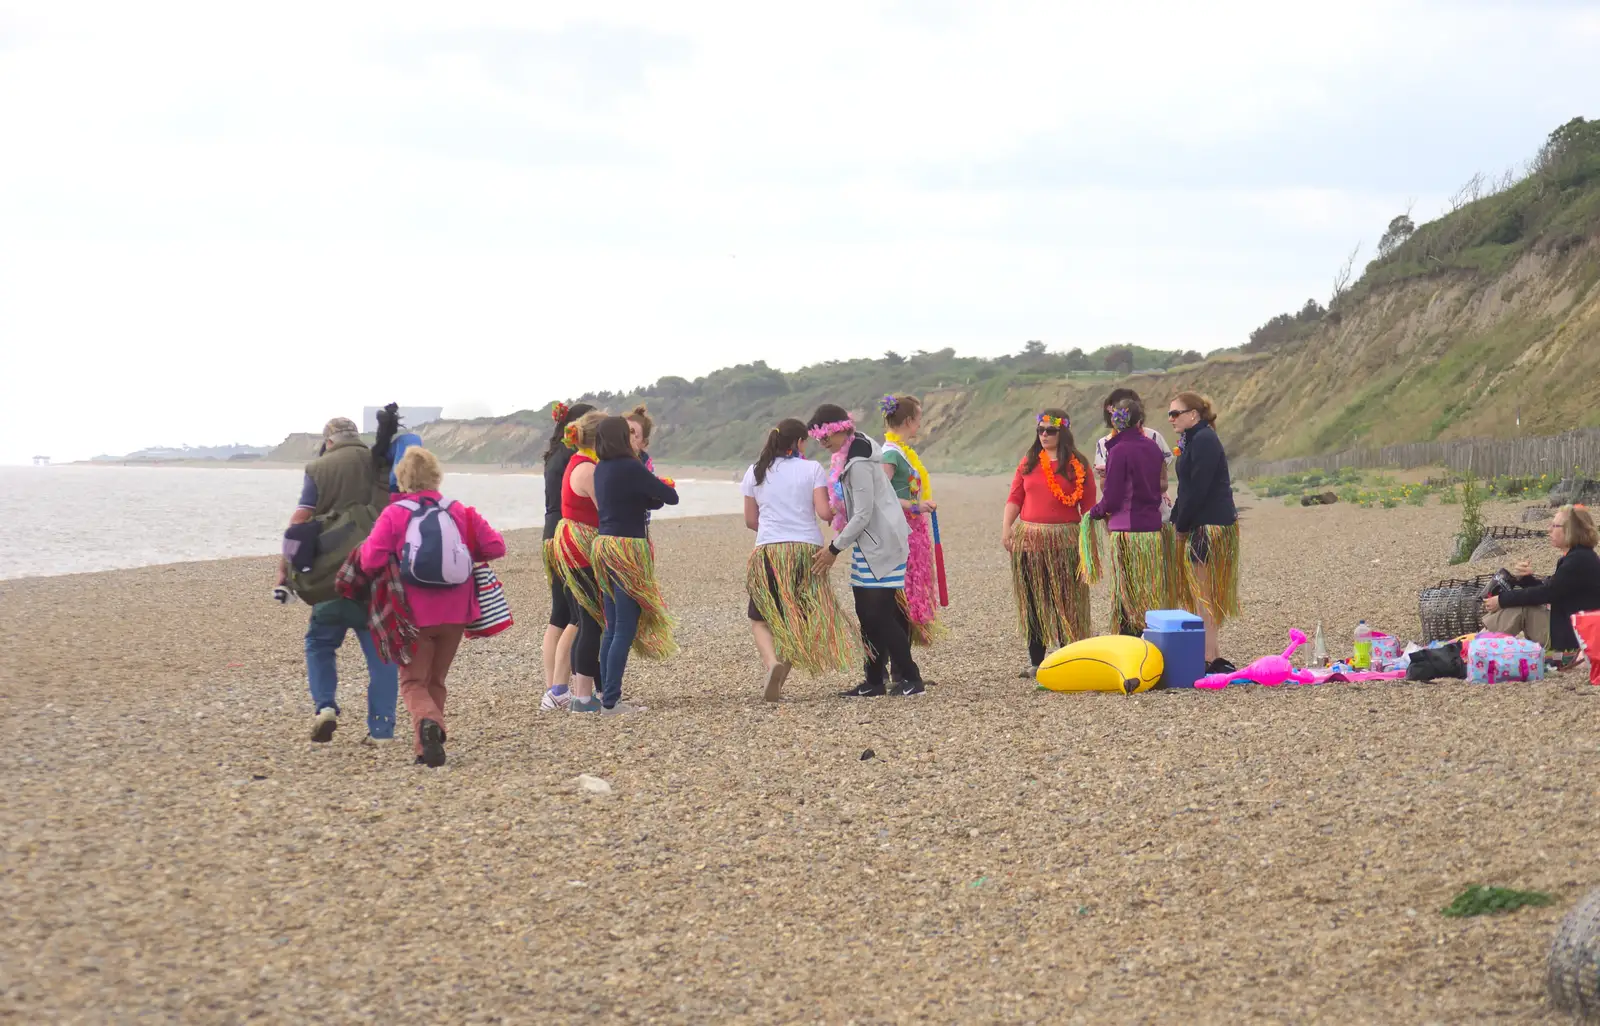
{"points": [[1573, 588]]}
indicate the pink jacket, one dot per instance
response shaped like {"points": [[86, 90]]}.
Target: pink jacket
{"points": [[431, 607]]}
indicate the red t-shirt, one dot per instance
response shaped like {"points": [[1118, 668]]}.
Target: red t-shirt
{"points": [[1040, 506]]}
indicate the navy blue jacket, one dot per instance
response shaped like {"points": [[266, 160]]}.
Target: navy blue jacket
{"points": [[1205, 491], [625, 492]]}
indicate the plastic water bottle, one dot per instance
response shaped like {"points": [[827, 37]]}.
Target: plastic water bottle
{"points": [[1319, 649], [1363, 652]]}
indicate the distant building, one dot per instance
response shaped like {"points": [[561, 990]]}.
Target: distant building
{"points": [[41, 461], [412, 417]]}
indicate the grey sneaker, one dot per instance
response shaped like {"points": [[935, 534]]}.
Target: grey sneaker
{"points": [[1030, 673], [624, 709], [775, 678], [324, 724], [585, 705]]}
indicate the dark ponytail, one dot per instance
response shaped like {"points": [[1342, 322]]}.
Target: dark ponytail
{"points": [[563, 415], [383, 442], [783, 440]]}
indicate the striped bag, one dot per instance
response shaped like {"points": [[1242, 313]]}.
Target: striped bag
{"points": [[494, 613]]}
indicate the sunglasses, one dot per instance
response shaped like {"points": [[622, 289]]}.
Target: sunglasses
{"points": [[1049, 431], [1175, 414]]}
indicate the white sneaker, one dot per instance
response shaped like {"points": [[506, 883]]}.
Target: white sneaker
{"points": [[624, 709], [376, 742], [324, 724], [552, 702]]}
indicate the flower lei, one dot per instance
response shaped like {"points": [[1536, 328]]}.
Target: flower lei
{"points": [[822, 431], [923, 485], [590, 453], [1054, 481]]}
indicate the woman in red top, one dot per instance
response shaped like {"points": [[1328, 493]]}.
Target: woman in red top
{"points": [[575, 534], [1051, 492]]}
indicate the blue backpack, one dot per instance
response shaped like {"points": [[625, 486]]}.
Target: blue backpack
{"points": [[434, 554]]}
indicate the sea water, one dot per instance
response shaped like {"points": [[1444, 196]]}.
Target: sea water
{"points": [[74, 519]]}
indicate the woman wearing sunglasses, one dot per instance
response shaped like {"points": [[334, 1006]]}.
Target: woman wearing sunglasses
{"points": [[1051, 492], [1205, 517]]}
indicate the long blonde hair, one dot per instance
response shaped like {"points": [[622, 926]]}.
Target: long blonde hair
{"points": [[1579, 527]]}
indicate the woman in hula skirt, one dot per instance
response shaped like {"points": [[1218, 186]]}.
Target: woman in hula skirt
{"points": [[575, 535], [913, 487], [1205, 519], [562, 632], [794, 616], [1050, 493], [1131, 507], [871, 525], [635, 611]]}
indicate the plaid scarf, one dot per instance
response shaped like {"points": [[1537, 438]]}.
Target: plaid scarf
{"points": [[394, 630]]}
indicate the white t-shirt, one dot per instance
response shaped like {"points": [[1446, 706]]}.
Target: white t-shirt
{"points": [[1149, 432], [784, 498]]}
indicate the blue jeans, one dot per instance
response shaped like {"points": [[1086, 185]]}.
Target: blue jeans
{"points": [[622, 624], [322, 669]]}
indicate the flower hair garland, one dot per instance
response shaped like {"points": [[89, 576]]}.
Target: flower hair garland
{"points": [[888, 404], [822, 431], [1121, 417], [1046, 420], [570, 435], [559, 411]]}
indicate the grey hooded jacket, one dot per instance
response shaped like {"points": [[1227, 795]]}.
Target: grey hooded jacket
{"points": [[874, 519]]}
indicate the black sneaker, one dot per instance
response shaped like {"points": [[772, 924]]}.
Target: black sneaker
{"points": [[432, 736], [864, 690], [906, 688], [1221, 665]]}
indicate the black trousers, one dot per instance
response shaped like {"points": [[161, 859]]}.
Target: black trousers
{"points": [[586, 650], [885, 634]]}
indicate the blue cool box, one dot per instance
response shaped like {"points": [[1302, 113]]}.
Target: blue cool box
{"points": [[1181, 637]]}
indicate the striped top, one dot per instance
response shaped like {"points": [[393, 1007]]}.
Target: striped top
{"points": [[861, 573]]}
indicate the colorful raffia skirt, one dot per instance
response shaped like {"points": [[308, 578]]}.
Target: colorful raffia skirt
{"points": [[571, 541], [628, 563], [1139, 579], [920, 599], [1213, 570], [551, 570], [809, 627], [1051, 595]]}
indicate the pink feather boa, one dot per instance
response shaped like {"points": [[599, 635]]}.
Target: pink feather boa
{"points": [[836, 488]]}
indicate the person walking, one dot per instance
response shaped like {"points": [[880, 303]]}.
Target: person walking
{"points": [[872, 526], [794, 617], [436, 541], [340, 495]]}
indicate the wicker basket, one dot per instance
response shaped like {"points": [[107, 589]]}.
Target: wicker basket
{"points": [[1452, 608], [1572, 975]]}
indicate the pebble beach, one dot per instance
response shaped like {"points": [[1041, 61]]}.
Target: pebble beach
{"points": [[174, 849]]}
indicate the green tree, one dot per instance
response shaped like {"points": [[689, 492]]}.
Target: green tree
{"points": [[1400, 229], [1119, 359], [893, 358]]}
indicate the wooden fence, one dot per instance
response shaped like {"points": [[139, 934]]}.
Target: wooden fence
{"points": [[1556, 455]]}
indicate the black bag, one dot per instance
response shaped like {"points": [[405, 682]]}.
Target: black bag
{"points": [[1437, 663]]}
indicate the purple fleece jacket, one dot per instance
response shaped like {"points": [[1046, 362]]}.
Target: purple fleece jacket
{"points": [[1131, 500]]}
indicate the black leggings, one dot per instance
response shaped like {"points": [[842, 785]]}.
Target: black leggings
{"points": [[885, 635], [586, 651], [560, 604]]}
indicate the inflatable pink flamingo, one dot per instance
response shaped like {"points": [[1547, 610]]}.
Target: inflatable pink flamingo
{"points": [[1269, 670]]}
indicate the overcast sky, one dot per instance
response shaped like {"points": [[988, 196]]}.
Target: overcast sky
{"points": [[222, 222]]}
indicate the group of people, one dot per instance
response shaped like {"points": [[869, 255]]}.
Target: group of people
{"points": [[1161, 554]]}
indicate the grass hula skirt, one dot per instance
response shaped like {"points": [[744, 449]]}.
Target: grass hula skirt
{"points": [[571, 537], [1047, 582], [629, 562], [1139, 580], [809, 628], [1221, 548], [920, 599], [551, 570]]}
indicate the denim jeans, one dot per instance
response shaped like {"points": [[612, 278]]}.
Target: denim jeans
{"points": [[622, 624], [322, 669]]}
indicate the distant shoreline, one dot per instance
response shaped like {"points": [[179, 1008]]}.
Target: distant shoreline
{"points": [[676, 470]]}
